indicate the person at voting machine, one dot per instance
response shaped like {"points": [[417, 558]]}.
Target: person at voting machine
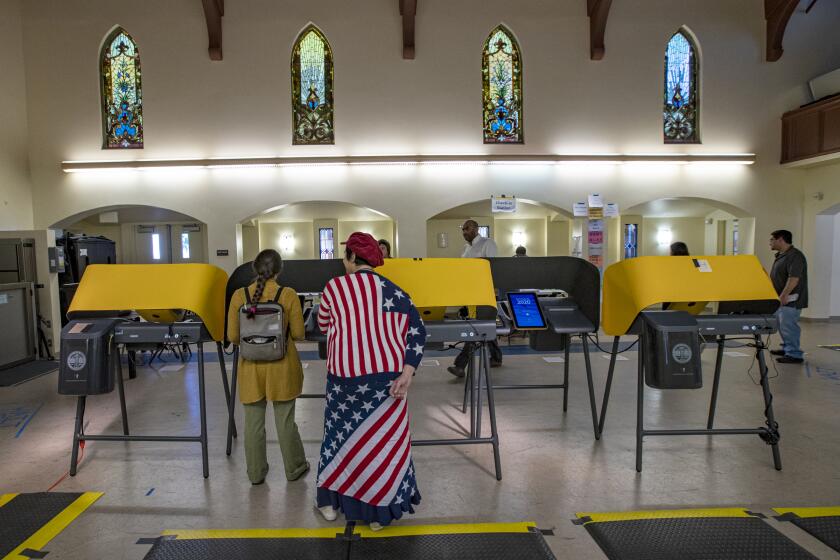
{"points": [[265, 319], [375, 339]]}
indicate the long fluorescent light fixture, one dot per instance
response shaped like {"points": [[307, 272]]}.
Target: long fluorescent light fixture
{"points": [[475, 159]]}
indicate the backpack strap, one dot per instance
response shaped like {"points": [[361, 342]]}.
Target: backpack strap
{"points": [[247, 295], [277, 295]]}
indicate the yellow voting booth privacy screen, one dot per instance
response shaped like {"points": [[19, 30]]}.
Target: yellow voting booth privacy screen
{"points": [[632, 285], [439, 283], [199, 288]]}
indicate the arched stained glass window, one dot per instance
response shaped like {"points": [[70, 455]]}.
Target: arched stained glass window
{"points": [[681, 109], [312, 89], [122, 100], [501, 71]]}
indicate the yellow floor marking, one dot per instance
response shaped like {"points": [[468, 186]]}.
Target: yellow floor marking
{"points": [[328, 533], [56, 525], [6, 498], [454, 529], [663, 514], [810, 511]]}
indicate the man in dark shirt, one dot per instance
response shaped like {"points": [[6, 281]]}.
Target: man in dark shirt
{"points": [[790, 278]]}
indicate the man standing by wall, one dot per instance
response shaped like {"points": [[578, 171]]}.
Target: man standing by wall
{"points": [[790, 278], [477, 247]]}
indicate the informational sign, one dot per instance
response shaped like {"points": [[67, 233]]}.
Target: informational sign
{"points": [[702, 265], [595, 238], [596, 213], [222, 252], [503, 204], [596, 200], [611, 210], [580, 210]]}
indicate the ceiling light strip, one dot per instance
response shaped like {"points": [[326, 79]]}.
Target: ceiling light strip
{"points": [[455, 159]]}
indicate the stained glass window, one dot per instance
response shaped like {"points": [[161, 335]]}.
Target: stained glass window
{"points": [[501, 71], [326, 243], [122, 101], [681, 107], [312, 89]]}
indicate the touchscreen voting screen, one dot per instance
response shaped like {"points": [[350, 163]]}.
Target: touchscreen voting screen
{"points": [[526, 311]]}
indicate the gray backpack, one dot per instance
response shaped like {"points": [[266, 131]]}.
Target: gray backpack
{"points": [[262, 336]]}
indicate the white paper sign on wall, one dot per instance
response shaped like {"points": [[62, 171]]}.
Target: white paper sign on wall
{"points": [[503, 204], [611, 210], [580, 210]]}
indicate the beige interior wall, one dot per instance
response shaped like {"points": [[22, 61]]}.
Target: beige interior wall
{"points": [[533, 229], [16, 210], [821, 202], [691, 231], [380, 229], [558, 238], [250, 242], [271, 237]]}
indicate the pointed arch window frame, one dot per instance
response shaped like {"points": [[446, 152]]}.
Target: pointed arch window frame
{"points": [[323, 117], [489, 107], [107, 106], [690, 110]]}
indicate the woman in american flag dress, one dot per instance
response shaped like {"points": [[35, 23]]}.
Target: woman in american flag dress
{"points": [[375, 342]]}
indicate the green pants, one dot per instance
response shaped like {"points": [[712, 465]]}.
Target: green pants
{"points": [[294, 458]]}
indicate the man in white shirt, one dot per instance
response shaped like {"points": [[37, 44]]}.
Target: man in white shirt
{"points": [[477, 247]]}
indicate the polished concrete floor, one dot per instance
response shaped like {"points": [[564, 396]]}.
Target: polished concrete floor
{"points": [[552, 465]]}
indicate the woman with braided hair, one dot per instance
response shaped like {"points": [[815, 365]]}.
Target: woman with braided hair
{"points": [[279, 381]]}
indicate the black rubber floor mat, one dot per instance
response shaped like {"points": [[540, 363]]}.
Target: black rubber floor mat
{"points": [[822, 523], [25, 514], [249, 549], [704, 538], [26, 372], [480, 546]]}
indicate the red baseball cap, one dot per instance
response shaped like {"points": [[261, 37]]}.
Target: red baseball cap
{"points": [[364, 245]]}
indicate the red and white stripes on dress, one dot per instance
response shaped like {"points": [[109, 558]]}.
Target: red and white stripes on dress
{"points": [[366, 319]]}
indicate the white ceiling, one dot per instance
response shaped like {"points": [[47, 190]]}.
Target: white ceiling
{"points": [[308, 211], [524, 210]]}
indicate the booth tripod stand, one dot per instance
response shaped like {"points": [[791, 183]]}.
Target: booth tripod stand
{"points": [[476, 381], [79, 434], [769, 433]]}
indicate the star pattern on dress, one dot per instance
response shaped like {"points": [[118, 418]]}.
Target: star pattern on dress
{"points": [[351, 398], [347, 427], [329, 397], [363, 389], [357, 416], [334, 415], [368, 406], [379, 395], [417, 349], [406, 485], [399, 294], [340, 437], [328, 454], [342, 407], [413, 331], [328, 424], [389, 303], [398, 500], [336, 389]]}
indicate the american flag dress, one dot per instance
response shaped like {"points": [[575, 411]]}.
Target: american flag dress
{"points": [[373, 330]]}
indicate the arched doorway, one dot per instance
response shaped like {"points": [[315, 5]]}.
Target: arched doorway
{"points": [[825, 284], [141, 234], [312, 229], [707, 226], [543, 229]]}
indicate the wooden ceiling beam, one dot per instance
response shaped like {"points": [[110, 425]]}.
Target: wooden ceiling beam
{"points": [[213, 12], [408, 11], [777, 13], [598, 12]]}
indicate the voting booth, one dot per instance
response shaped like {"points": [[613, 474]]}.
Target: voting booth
{"points": [[558, 299], [669, 341], [100, 328]]}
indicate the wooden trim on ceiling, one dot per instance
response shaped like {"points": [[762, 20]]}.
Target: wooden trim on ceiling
{"points": [[213, 12], [408, 11], [598, 12], [777, 13]]}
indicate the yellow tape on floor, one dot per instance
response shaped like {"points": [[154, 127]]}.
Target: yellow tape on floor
{"points": [[6, 498], [810, 511], [328, 533], [453, 529], [56, 525], [663, 514]]}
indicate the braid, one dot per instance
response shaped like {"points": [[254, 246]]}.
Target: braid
{"points": [[267, 265]]}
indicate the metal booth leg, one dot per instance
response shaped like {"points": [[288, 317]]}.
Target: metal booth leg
{"points": [[479, 378], [640, 407], [771, 436], [121, 389], [467, 385], [608, 386], [203, 408], [232, 404], [77, 434], [132, 367], [585, 339], [567, 341], [223, 367], [491, 409], [716, 383]]}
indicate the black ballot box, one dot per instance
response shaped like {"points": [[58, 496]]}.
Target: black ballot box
{"points": [[88, 357], [671, 350]]}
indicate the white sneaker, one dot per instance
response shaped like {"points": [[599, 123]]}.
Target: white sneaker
{"points": [[328, 512], [375, 526]]}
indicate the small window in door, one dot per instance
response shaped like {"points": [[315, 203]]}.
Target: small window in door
{"points": [[156, 246], [484, 231], [185, 246]]}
